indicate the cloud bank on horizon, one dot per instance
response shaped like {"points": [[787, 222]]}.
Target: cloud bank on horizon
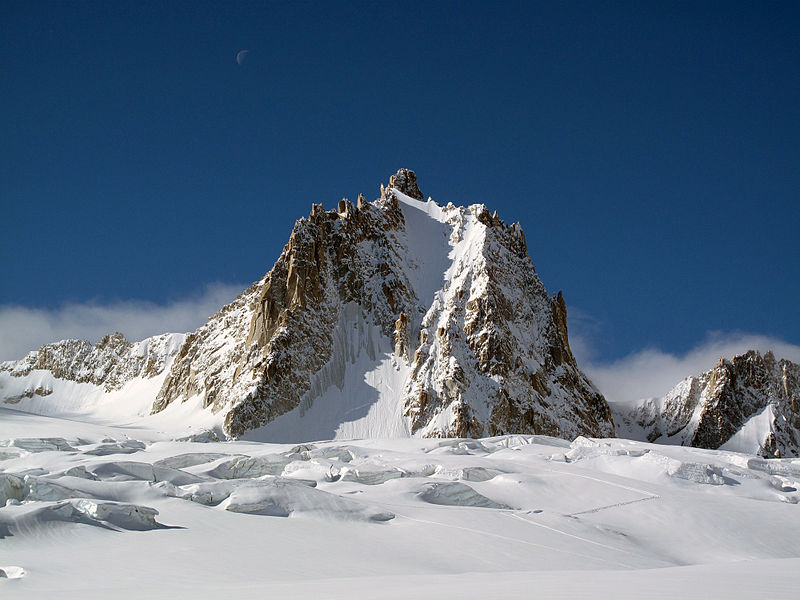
{"points": [[646, 373], [23, 329]]}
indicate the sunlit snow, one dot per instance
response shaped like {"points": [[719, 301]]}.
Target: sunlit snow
{"points": [[97, 511]]}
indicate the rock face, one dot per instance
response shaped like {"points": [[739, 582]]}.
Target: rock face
{"points": [[442, 301], [749, 404], [111, 363]]}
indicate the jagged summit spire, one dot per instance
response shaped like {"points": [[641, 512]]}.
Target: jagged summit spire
{"points": [[405, 181], [443, 299]]}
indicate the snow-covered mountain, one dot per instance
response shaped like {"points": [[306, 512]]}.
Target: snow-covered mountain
{"points": [[389, 318], [748, 404], [114, 380], [111, 363]]}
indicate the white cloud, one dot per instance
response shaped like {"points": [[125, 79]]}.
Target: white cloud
{"points": [[24, 329], [652, 372]]}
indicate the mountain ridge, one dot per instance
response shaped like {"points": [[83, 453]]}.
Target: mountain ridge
{"points": [[440, 304]]}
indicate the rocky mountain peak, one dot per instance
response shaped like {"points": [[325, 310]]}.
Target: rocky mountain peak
{"points": [[114, 340], [442, 301], [405, 182], [748, 403]]}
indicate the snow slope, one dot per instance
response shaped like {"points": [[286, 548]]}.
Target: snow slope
{"points": [[355, 395], [99, 511], [428, 240]]}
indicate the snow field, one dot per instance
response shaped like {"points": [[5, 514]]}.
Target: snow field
{"points": [[396, 518]]}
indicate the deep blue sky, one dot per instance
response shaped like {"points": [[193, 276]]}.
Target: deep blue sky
{"points": [[651, 153]]}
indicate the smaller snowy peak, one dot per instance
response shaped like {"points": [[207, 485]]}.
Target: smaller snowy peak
{"points": [[110, 363], [750, 403]]}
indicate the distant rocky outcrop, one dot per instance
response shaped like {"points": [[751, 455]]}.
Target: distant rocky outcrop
{"points": [[479, 345], [110, 363], [750, 403]]}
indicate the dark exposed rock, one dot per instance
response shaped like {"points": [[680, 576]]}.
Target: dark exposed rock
{"points": [[708, 410], [405, 181], [29, 393]]}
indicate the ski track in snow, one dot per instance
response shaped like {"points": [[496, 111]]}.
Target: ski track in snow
{"points": [[577, 537], [521, 541], [616, 505]]}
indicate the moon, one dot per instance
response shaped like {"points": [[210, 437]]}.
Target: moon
{"points": [[240, 56]]}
